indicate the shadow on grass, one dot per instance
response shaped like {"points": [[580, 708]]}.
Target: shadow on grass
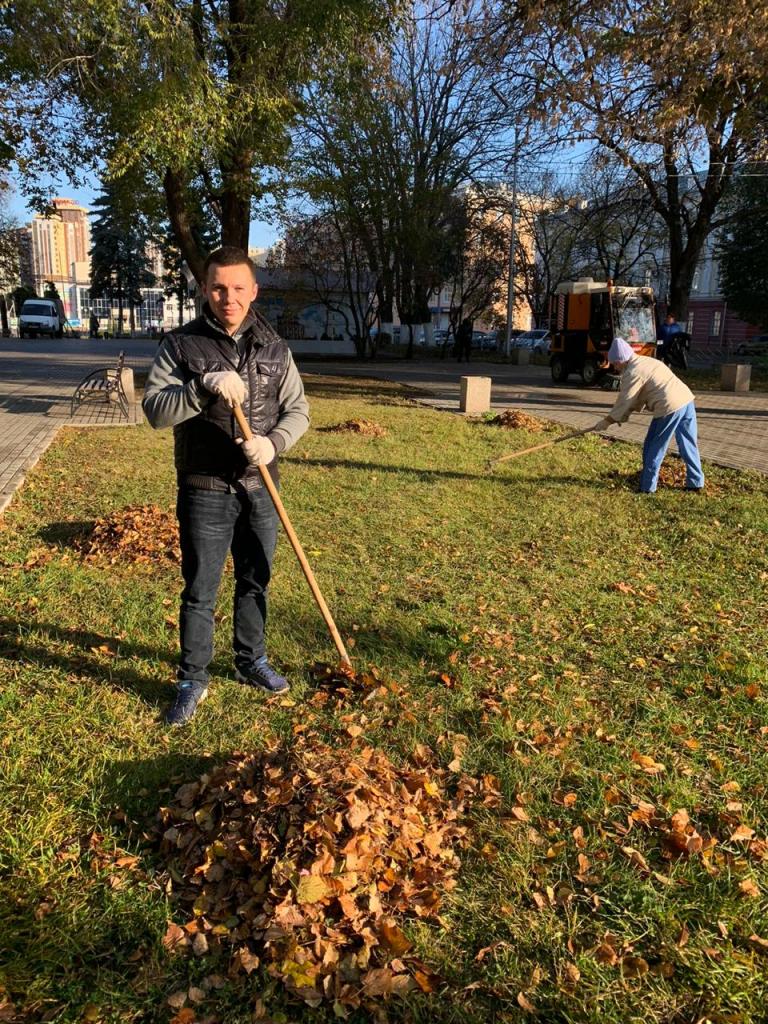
{"points": [[377, 467], [87, 930], [86, 659], [67, 533], [377, 392]]}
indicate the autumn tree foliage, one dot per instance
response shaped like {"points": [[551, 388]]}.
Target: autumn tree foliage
{"points": [[388, 139], [199, 94], [675, 90], [120, 265], [743, 248]]}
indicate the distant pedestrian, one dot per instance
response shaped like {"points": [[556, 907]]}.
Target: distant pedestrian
{"points": [[464, 339], [93, 331], [667, 331], [648, 383]]}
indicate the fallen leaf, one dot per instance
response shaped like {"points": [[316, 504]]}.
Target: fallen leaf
{"points": [[742, 833], [647, 764], [606, 954], [571, 975], [393, 938], [748, 887], [185, 1016], [634, 966], [524, 1003], [174, 936], [635, 857], [311, 889]]}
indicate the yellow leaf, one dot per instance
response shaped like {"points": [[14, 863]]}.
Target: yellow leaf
{"points": [[312, 888]]}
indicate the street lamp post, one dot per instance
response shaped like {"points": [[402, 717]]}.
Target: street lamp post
{"points": [[512, 248]]}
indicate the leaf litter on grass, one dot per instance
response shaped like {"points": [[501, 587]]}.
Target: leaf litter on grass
{"points": [[307, 862], [367, 428], [516, 419], [136, 533], [672, 474]]}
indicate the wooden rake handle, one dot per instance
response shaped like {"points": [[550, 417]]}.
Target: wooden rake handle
{"points": [[538, 447], [242, 422]]}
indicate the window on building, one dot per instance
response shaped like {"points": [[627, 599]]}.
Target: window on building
{"points": [[716, 323], [696, 280], [689, 325]]}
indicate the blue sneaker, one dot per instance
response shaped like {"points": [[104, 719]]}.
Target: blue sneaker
{"points": [[263, 676], [188, 696]]}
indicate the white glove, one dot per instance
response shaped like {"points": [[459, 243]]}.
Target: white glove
{"points": [[259, 450], [226, 384], [603, 424]]}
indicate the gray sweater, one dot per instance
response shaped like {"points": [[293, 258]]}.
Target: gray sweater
{"points": [[168, 401]]}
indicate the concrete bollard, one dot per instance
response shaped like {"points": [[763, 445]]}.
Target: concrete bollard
{"points": [[475, 397], [735, 376], [521, 356], [126, 380]]}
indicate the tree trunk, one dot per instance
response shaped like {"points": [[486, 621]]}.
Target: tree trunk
{"points": [[4, 317], [236, 201], [120, 308], [175, 188]]}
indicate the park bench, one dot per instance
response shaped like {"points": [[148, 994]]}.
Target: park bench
{"points": [[104, 384]]}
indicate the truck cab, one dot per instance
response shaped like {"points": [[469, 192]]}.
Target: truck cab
{"points": [[42, 316], [588, 315]]}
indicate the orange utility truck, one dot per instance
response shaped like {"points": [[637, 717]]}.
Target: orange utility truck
{"points": [[587, 315]]}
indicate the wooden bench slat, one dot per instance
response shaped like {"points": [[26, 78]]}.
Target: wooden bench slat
{"points": [[102, 382]]}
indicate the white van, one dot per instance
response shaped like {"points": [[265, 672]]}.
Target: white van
{"points": [[42, 316]]}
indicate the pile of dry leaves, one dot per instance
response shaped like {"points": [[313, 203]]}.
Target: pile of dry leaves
{"points": [[368, 428], [137, 533], [672, 474], [303, 861], [515, 419]]}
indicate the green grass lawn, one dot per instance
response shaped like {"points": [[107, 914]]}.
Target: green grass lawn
{"points": [[603, 654]]}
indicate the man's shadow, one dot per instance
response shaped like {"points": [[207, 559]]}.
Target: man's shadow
{"points": [[93, 654], [104, 920]]}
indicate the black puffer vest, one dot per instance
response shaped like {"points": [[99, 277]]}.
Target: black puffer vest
{"points": [[204, 446]]}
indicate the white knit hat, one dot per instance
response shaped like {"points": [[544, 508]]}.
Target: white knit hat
{"points": [[620, 351]]}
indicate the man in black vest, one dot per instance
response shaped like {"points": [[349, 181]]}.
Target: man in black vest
{"points": [[229, 354]]}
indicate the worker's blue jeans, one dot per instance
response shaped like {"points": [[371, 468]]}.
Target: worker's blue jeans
{"points": [[682, 426], [212, 523]]}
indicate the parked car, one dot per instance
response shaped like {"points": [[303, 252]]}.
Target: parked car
{"points": [[754, 347], [42, 316], [537, 341]]}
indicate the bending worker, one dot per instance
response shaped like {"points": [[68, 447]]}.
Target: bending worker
{"points": [[648, 383], [229, 354]]}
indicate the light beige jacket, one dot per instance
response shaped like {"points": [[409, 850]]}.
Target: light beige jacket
{"points": [[647, 383]]}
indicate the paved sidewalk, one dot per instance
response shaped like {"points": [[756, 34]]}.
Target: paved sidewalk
{"points": [[35, 395]]}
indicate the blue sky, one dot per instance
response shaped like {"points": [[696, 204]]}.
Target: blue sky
{"points": [[262, 235]]}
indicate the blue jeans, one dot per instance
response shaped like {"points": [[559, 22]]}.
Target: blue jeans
{"points": [[682, 426], [212, 523]]}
